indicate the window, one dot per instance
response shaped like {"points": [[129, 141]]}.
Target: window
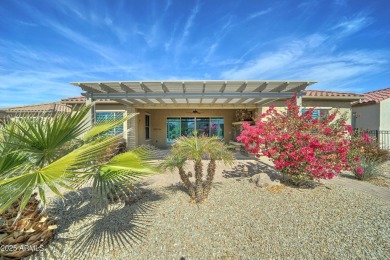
{"points": [[107, 116], [173, 129], [318, 114], [185, 126], [147, 127]]}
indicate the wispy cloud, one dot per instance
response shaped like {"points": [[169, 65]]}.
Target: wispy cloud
{"points": [[258, 14], [310, 59], [167, 5], [190, 20], [350, 26]]}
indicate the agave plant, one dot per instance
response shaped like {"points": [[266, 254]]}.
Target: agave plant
{"points": [[197, 148], [57, 153]]}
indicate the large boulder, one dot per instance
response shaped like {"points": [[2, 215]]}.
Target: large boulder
{"points": [[263, 180]]}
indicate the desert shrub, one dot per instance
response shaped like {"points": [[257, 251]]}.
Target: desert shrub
{"points": [[300, 147], [369, 168]]}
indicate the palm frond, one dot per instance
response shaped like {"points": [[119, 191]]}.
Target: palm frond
{"points": [[125, 169], [42, 138]]}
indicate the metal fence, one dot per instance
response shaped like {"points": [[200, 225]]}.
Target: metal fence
{"points": [[382, 137]]}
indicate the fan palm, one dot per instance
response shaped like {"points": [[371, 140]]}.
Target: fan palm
{"points": [[40, 153], [196, 148]]}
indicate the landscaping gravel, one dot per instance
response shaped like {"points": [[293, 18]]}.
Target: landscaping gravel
{"points": [[239, 221]]}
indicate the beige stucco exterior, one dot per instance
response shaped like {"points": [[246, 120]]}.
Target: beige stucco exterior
{"points": [[385, 115], [332, 105], [367, 116], [158, 118], [373, 116]]}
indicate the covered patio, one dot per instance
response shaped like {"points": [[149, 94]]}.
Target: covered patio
{"points": [[168, 109]]}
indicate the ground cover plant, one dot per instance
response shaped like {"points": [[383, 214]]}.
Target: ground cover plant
{"points": [[197, 148], [49, 153], [301, 147]]}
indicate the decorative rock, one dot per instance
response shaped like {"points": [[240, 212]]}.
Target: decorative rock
{"points": [[263, 180]]}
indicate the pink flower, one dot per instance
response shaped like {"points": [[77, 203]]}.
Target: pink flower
{"points": [[359, 170], [366, 138], [356, 159], [349, 129]]}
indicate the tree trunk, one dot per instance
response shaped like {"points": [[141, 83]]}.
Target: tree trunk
{"points": [[186, 180], [198, 181], [32, 231], [210, 178]]}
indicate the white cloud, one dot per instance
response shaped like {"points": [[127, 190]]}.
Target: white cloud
{"points": [[190, 20], [257, 14], [354, 25], [311, 59]]}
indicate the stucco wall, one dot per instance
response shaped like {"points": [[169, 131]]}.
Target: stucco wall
{"points": [[158, 117], [158, 128], [385, 115], [368, 116], [342, 106]]}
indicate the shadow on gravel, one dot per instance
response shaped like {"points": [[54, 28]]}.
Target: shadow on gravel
{"points": [[253, 168], [179, 187], [99, 231]]}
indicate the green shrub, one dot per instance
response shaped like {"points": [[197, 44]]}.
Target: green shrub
{"points": [[370, 167]]}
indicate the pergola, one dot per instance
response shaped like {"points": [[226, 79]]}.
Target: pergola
{"points": [[185, 93]]}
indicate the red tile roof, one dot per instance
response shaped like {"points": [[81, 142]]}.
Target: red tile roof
{"points": [[320, 93], [44, 107], [74, 99], [376, 96]]}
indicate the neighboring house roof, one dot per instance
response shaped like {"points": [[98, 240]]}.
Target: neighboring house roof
{"points": [[333, 94], [375, 96], [39, 108], [81, 100], [75, 99]]}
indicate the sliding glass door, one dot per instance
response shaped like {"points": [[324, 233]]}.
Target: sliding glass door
{"points": [[185, 126]]}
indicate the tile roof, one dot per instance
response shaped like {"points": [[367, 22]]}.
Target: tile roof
{"points": [[74, 99], [376, 96], [321, 93], [44, 107]]}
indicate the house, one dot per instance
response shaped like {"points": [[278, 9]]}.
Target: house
{"points": [[373, 111], [43, 109], [169, 109]]}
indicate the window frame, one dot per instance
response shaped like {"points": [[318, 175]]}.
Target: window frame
{"points": [[195, 125], [147, 127], [318, 117], [113, 111]]}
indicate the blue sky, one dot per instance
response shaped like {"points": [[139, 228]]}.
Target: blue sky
{"points": [[44, 45]]}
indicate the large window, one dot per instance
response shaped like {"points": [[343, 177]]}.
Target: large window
{"points": [[147, 127], [107, 116], [177, 126]]}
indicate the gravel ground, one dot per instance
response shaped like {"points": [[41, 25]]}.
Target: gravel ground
{"points": [[239, 221]]}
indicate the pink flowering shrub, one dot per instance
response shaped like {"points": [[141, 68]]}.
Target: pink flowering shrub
{"points": [[299, 146]]}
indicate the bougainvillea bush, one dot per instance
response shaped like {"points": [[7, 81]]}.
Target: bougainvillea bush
{"points": [[300, 146]]}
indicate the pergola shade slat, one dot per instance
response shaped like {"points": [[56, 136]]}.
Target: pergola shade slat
{"points": [[193, 91]]}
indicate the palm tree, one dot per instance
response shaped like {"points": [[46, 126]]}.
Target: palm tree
{"points": [[41, 153], [196, 148]]}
